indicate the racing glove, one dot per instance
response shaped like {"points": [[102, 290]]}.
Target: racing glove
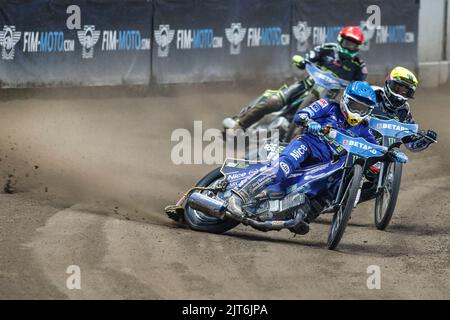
{"points": [[299, 62], [418, 143], [431, 134], [314, 127], [398, 156]]}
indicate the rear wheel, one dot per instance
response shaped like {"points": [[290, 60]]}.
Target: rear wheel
{"points": [[387, 199], [200, 221], [342, 215]]}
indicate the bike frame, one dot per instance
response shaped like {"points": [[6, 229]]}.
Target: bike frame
{"points": [[312, 178], [354, 155]]}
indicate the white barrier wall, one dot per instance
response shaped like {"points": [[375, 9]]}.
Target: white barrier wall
{"points": [[431, 31], [433, 66], [446, 77], [448, 31]]}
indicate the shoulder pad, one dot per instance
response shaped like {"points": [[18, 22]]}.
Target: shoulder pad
{"points": [[324, 102], [320, 104], [329, 45], [317, 48]]}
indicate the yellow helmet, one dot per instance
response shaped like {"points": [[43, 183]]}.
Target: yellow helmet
{"points": [[400, 85]]}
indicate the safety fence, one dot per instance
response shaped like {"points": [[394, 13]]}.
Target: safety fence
{"points": [[116, 42]]}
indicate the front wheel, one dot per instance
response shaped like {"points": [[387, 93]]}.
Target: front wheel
{"points": [[387, 199], [200, 221], [343, 213]]}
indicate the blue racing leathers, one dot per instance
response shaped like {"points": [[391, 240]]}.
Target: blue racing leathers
{"points": [[307, 149]]}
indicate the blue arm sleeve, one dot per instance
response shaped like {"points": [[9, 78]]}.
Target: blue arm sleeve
{"points": [[318, 109]]}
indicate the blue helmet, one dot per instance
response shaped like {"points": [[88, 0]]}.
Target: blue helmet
{"points": [[358, 101]]}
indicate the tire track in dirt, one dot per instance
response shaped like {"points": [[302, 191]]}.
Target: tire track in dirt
{"points": [[108, 158]]}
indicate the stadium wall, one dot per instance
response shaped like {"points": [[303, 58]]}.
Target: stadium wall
{"points": [[185, 41]]}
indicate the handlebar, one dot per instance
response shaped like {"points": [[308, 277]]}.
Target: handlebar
{"points": [[423, 135]]}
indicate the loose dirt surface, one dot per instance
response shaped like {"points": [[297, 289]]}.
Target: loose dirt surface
{"points": [[91, 171]]}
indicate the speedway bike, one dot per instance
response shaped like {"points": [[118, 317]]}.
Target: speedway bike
{"points": [[323, 84], [384, 185], [332, 187]]}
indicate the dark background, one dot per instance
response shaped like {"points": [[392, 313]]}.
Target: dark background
{"points": [[193, 65], [380, 57]]}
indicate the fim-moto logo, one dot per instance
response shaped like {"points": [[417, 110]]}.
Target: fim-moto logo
{"points": [[88, 37], [384, 34], [369, 32], [235, 35], [8, 40], [163, 38], [302, 33]]}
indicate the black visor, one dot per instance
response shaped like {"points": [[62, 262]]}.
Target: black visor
{"points": [[349, 45], [358, 107], [402, 89]]}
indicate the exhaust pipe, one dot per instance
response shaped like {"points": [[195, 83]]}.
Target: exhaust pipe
{"points": [[272, 225], [205, 204], [217, 208]]}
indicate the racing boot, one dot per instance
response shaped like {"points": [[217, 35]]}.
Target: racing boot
{"points": [[231, 123], [302, 227], [249, 189], [234, 205]]}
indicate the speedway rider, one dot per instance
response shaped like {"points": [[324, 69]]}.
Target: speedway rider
{"points": [[349, 116], [341, 58], [392, 102]]}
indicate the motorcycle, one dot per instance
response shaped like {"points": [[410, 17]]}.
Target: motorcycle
{"points": [[324, 84], [384, 187], [333, 187]]}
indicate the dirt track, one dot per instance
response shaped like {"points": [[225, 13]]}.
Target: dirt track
{"points": [[93, 174]]}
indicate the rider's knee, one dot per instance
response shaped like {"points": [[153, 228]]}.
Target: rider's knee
{"points": [[274, 102], [294, 154], [294, 91]]}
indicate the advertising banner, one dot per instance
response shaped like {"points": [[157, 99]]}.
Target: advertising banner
{"points": [[71, 43], [128, 42], [390, 28], [210, 40]]}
